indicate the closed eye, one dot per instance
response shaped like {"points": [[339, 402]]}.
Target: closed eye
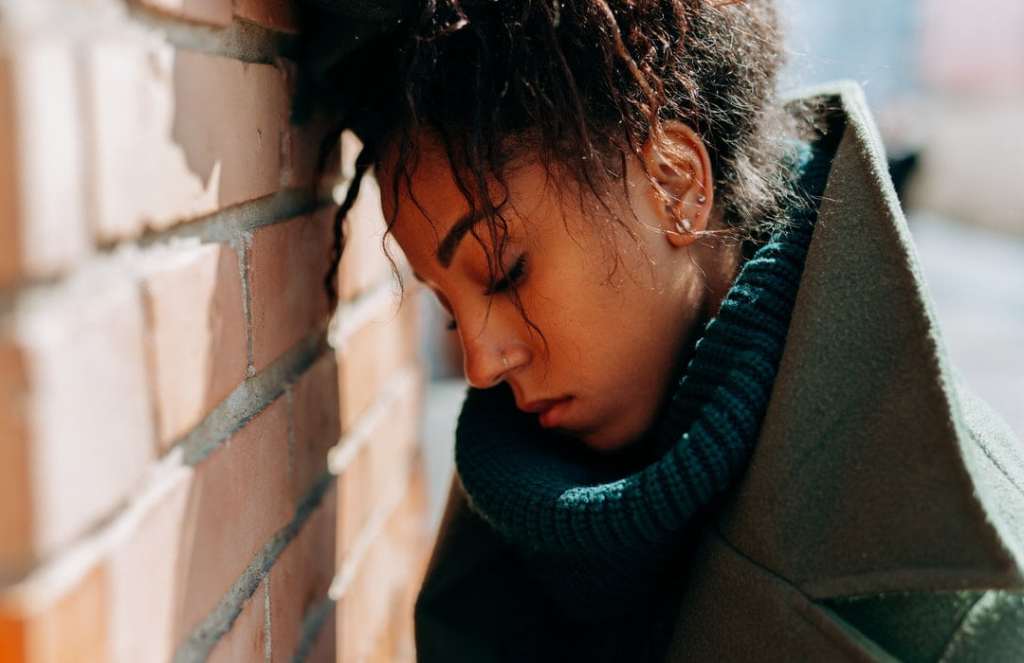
{"points": [[512, 277]]}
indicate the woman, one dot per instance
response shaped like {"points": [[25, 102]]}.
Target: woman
{"points": [[709, 414]]}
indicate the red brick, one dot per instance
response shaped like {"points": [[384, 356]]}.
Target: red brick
{"points": [[179, 134], [193, 297], [364, 263], [274, 14], [83, 411], [145, 564], [355, 503], [210, 12], [240, 501], [65, 625], [408, 529], [287, 265], [325, 645], [302, 147], [247, 638], [392, 451], [375, 610], [386, 452], [315, 425], [41, 179], [15, 481], [371, 354], [300, 578]]}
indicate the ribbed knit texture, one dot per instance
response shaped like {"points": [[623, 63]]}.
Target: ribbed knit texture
{"points": [[599, 543]]}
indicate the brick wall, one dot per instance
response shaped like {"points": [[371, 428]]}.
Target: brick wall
{"points": [[198, 460]]}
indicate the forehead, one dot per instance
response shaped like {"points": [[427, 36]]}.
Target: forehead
{"points": [[420, 198], [429, 207]]}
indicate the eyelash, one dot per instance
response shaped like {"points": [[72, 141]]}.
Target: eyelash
{"points": [[513, 277]]}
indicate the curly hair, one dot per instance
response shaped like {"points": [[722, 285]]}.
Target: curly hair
{"points": [[580, 83]]}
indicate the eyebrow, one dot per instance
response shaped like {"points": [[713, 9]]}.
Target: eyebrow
{"points": [[446, 249]]}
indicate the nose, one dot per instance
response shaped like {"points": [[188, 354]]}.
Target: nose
{"points": [[486, 362]]}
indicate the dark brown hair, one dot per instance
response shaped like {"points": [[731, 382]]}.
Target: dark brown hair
{"points": [[580, 83]]}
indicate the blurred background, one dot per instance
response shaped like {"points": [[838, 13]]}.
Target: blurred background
{"points": [[945, 81]]}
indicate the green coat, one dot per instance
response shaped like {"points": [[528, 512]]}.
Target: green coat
{"points": [[882, 514]]}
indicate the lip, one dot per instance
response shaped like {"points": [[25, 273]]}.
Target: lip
{"points": [[551, 410]]}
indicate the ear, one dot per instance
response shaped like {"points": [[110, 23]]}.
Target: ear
{"points": [[682, 191]]}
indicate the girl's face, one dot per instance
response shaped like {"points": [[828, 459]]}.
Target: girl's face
{"points": [[614, 332]]}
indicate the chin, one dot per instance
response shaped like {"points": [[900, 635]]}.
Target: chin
{"points": [[617, 434], [608, 441]]}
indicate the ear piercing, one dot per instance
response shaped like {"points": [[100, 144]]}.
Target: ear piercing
{"points": [[683, 224]]}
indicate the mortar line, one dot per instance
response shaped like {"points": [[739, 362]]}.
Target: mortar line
{"points": [[240, 40], [250, 398], [340, 456], [268, 632], [244, 248], [222, 226], [370, 533], [312, 625], [227, 223], [201, 641]]}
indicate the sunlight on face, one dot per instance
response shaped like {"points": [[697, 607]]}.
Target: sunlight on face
{"points": [[614, 334]]}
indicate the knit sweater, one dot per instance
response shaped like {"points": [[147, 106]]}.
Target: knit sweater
{"points": [[600, 537]]}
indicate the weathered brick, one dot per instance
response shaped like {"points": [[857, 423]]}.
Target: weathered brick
{"points": [[301, 577], [247, 638], [240, 501], [164, 151], [287, 265], [364, 264], [210, 12], [82, 412], [41, 179], [325, 645], [144, 565], [197, 343], [301, 147], [66, 624], [393, 450], [384, 450], [354, 503], [315, 425], [407, 528], [274, 14], [15, 481], [372, 353], [375, 611]]}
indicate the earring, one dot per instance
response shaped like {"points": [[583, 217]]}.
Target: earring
{"points": [[701, 199], [683, 225]]}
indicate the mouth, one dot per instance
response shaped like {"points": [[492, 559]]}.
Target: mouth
{"points": [[551, 411]]}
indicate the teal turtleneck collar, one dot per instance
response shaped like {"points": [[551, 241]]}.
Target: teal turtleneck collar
{"points": [[597, 538]]}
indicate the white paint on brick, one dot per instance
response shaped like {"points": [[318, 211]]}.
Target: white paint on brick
{"points": [[44, 156], [340, 457], [178, 133], [88, 406], [51, 581], [377, 306]]}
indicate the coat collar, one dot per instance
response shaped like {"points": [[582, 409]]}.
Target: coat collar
{"points": [[868, 475]]}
